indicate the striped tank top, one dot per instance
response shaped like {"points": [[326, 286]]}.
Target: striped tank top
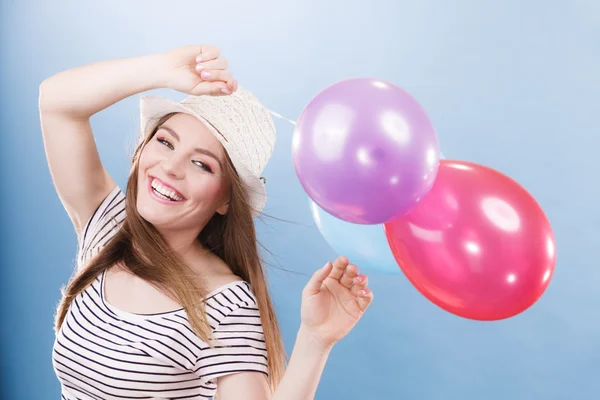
{"points": [[102, 352]]}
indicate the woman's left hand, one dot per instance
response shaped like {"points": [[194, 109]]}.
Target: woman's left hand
{"points": [[334, 300]]}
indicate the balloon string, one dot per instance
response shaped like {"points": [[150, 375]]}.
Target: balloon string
{"points": [[282, 117], [276, 114]]}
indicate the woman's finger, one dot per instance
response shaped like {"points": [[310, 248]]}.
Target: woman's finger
{"points": [[316, 281], [360, 283], [208, 52], [211, 88], [365, 299], [349, 274], [216, 75], [219, 63], [339, 266]]}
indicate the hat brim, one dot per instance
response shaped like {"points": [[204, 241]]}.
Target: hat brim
{"points": [[153, 108]]}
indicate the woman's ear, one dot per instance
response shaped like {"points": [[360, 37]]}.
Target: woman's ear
{"points": [[223, 208]]}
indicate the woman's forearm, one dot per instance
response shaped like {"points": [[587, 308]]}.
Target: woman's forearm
{"points": [[304, 369], [82, 92]]}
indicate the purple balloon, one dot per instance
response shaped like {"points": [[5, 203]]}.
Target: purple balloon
{"points": [[365, 151]]}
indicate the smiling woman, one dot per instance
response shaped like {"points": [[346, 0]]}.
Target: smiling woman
{"points": [[170, 298], [182, 167]]}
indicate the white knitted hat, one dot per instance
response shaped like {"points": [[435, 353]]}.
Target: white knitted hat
{"points": [[239, 121]]}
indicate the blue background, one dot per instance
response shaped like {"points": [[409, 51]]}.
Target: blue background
{"points": [[513, 85]]}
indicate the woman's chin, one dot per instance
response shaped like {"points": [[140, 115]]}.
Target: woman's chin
{"points": [[154, 215]]}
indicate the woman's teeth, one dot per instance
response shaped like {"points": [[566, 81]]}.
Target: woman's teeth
{"points": [[164, 192]]}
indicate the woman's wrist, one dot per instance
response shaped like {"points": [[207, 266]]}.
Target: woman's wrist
{"points": [[157, 71], [312, 342]]}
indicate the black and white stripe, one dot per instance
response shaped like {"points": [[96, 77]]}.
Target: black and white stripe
{"points": [[102, 226], [102, 352]]}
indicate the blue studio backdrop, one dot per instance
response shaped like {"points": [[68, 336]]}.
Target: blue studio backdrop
{"points": [[513, 85]]}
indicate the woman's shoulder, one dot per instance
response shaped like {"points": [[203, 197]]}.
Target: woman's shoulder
{"points": [[220, 283], [224, 290], [228, 291], [215, 275], [216, 284], [102, 225]]}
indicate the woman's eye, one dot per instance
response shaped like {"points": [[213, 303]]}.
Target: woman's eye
{"points": [[203, 166], [165, 142], [200, 164]]}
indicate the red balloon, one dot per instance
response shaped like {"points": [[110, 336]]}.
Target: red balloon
{"points": [[478, 245]]}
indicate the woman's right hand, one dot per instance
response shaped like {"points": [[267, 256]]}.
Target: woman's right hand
{"points": [[198, 70]]}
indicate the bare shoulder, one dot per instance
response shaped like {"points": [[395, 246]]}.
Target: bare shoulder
{"points": [[217, 274]]}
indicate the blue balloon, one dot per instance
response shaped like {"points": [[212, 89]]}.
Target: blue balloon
{"points": [[366, 246]]}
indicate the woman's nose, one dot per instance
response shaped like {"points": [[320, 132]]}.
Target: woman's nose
{"points": [[174, 167]]}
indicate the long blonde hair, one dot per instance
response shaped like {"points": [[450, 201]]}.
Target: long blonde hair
{"points": [[232, 237]]}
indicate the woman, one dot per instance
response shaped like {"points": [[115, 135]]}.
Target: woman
{"points": [[169, 299]]}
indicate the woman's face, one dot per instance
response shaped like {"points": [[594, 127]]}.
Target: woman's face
{"points": [[181, 175]]}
